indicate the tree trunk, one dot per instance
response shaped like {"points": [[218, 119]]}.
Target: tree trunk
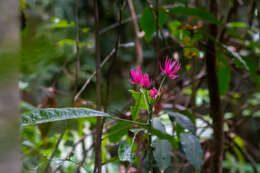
{"points": [[10, 160], [98, 148], [215, 109]]}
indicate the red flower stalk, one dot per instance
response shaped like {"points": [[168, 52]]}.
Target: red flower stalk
{"points": [[145, 82], [170, 67], [136, 76]]}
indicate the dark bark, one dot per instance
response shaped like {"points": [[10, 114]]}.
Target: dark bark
{"points": [[98, 151], [215, 104]]}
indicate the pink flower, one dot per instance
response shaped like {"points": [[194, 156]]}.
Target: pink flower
{"points": [[153, 92], [136, 75], [170, 68], [145, 81]]}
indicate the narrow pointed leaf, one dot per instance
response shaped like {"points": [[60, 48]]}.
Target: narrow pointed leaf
{"points": [[39, 116], [198, 13]]}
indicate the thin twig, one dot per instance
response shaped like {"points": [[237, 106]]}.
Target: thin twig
{"points": [[70, 153], [138, 44], [125, 21], [93, 74], [231, 11], [84, 151], [46, 170], [115, 25], [101, 65]]}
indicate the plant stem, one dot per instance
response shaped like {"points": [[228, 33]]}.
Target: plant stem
{"points": [[161, 84], [150, 149], [54, 152], [150, 115]]}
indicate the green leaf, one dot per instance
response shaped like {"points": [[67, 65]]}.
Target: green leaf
{"points": [[228, 51], [135, 131], [183, 120], [189, 52], [236, 55], [162, 153], [135, 112], [237, 25], [223, 74], [192, 149], [38, 116], [253, 70], [61, 23], [116, 132], [166, 136], [147, 22], [70, 42], [125, 152], [139, 99], [158, 125], [139, 103], [196, 12], [223, 79], [163, 16]]}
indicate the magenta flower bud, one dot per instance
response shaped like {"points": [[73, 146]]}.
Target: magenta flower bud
{"points": [[153, 92], [170, 67], [145, 82], [136, 76]]}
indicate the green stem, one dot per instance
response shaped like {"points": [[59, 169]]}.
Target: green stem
{"points": [[145, 99], [134, 122], [150, 149], [150, 114], [161, 84]]}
